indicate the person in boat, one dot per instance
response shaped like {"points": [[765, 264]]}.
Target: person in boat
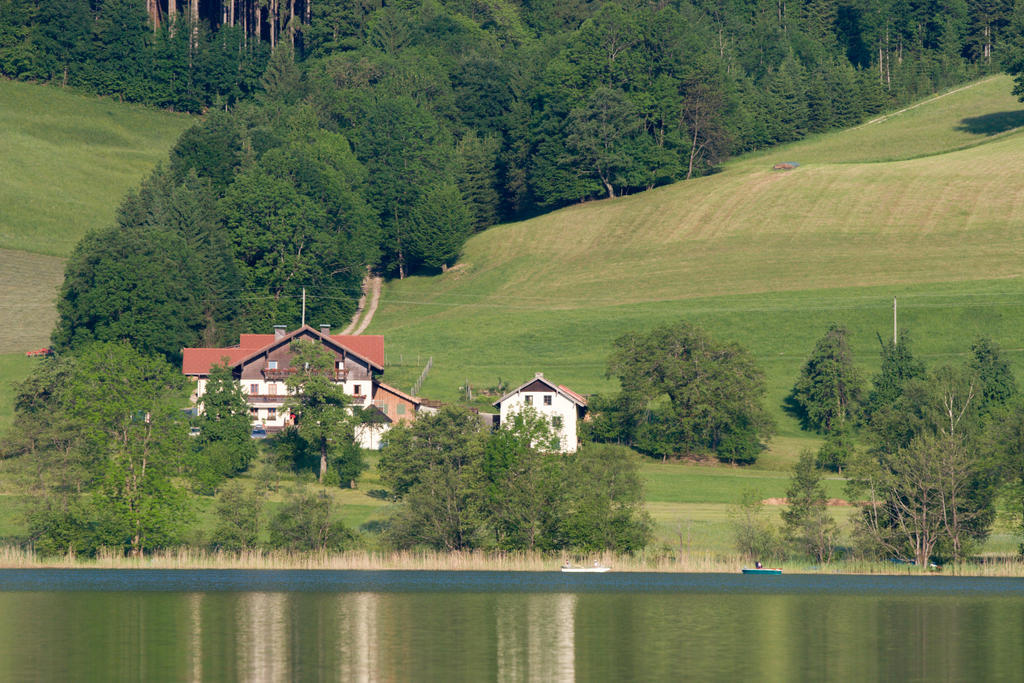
{"points": [[758, 565]]}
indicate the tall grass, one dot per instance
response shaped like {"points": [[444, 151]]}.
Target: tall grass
{"points": [[696, 562]]}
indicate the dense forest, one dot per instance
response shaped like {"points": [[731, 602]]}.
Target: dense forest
{"points": [[341, 135]]}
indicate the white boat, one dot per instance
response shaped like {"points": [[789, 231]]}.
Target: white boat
{"points": [[596, 569]]}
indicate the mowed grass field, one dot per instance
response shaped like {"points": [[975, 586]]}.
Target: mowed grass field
{"points": [[765, 258], [66, 162], [924, 205]]}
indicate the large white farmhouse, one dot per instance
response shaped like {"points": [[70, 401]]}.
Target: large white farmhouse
{"points": [[261, 363], [559, 404]]}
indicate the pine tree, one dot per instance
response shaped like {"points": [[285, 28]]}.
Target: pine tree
{"points": [[898, 367], [475, 159]]}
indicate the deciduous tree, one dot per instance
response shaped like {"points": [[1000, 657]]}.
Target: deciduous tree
{"points": [[808, 524], [714, 393], [324, 421]]}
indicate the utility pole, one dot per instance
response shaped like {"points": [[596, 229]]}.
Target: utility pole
{"points": [[303, 307], [894, 321]]}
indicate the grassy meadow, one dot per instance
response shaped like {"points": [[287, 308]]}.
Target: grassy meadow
{"points": [[68, 159], [922, 205], [766, 258]]}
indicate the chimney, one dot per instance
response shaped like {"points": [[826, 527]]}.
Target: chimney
{"points": [[280, 331], [325, 330]]}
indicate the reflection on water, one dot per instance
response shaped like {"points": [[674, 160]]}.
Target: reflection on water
{"points": [[462, 633]]}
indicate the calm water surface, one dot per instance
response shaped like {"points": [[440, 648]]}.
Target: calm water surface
{"points": [[473, 626]]}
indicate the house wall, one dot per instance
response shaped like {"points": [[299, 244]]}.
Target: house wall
{"points": [[266, 398], [559, 407], [371, 436], [395, 407]]}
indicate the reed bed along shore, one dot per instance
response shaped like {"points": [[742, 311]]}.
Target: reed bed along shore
{"points": [[188, 558]]}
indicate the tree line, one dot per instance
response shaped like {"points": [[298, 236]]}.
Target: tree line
{"points": [[342, 136], [928, 454]]}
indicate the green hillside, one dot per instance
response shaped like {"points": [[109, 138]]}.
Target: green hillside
{"points": [[67, 160], [923, 205]]}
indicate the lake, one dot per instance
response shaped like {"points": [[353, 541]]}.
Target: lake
{"points": [[207, 625]]}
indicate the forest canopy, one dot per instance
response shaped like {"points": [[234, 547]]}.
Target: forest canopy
{"points": [[340, 136]]}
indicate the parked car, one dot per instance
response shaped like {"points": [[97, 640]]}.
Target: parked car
{"points": [[258, 432], [193, 431]]}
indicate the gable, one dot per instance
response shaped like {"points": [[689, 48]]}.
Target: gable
{"points": [[539, 385]]}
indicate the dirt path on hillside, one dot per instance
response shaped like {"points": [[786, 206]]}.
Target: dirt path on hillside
{"points": [[375, 284], [363, 316]]}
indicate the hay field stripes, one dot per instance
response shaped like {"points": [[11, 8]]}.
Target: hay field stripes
{"points": [[924, 206], [29, 284]]}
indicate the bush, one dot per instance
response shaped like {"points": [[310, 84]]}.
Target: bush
{"points": [[304, 523], [835, 452], [238, 511], [755, 536]]}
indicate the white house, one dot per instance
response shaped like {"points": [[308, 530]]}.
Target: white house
{"points": [[559, 404]]}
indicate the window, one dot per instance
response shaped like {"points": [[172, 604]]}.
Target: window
{"points": [[272, 365], [547, 399], [254, 389], [556, 421], [272, 388], [528, 400], [401, 409]]}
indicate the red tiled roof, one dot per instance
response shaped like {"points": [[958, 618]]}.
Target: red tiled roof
{"points": [[369, 346], [198, 361], [573, 394], [255, 341]]}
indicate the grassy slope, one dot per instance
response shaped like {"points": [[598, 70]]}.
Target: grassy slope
{"points": [[67, 160], [763, 257], [923, 205]]}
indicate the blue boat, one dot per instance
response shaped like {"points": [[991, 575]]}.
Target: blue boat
{"points": [[761, 570]]}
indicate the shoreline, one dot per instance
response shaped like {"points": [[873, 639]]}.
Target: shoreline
{"points": [[702, 563]]}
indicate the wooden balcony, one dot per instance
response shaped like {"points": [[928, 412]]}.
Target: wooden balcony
{"points": [[259, 399], [285, 373]]}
